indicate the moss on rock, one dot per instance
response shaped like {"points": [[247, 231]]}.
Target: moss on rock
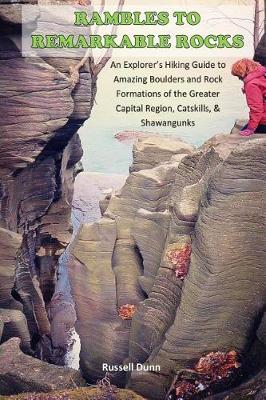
{"points": [[85, 393]]}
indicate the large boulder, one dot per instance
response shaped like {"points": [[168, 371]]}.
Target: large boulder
{"points": [[152, 150], [22, 373], [15, 325]]}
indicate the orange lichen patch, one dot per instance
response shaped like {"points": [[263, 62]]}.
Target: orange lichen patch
{"points": [[218, 365], [178, 255], [127, 311], [185, 390], [210, 372]]}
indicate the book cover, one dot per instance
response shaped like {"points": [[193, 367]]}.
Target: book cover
{"points": [[132, 200]]}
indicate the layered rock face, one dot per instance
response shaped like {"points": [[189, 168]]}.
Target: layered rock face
{"points": [[175, 269], [41, 112], [108, 265], [224, 293]]}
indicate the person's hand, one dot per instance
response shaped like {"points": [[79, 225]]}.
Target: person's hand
{"points": [[247, 132]]}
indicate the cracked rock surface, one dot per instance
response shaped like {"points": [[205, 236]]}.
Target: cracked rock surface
{"points": [[210, 201]]}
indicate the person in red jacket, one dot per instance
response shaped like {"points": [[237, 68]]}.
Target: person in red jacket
{"points": [[253, 75]]}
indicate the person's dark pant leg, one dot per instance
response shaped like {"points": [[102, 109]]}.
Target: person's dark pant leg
{"points": [[261, 129]]}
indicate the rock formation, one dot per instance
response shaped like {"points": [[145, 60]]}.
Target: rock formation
{"points": [[108, 264], [174, 270], [15, 325], [41, 112], [22, 373], [173, 274]]}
